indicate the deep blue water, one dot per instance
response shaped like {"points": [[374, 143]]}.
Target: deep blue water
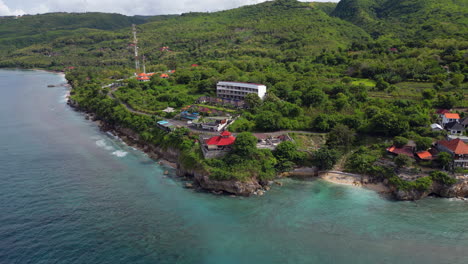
{"points": [[71, 194]]}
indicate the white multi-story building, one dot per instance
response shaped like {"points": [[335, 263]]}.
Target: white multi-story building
{"points": [[238, 90]]}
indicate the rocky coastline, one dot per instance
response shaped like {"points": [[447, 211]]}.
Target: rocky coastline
{"points": [[200, 179]]}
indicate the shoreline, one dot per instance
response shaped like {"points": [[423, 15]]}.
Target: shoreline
{"points": [[130, 143], [356, 181]]}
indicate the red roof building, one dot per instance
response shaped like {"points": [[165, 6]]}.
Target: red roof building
{"points": [[457, 148], [405, 150], [424, 155], [452, 116], [225, 139], [143, 78], [164, 75]]}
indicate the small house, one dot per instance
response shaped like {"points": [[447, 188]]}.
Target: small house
{"points": [[450, 117], [218, 146], [407, 150], [455, 128], [457, 148], [424, 155]]}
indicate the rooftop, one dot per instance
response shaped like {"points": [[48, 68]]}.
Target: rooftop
{"points": [[225, 139], [456, 145], [405, 150], [452, 116], [241, 83], [425, 155]]}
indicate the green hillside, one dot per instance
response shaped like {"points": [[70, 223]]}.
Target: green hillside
{"points": [[280, 30], [36, 28], [416, 19]]}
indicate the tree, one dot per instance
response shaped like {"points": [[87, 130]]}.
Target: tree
{"points": [[341, 135], [315, 97], [253, 100], [444, 159], [402, 161], [361, 161], [429, 94], [423, 143], [324, 122], [268, 121], [388, 123], [382, 85], [445, 101], [286, 154], [325, 158], [457, 79], [245, 145], [400, 141], [442, 178]]}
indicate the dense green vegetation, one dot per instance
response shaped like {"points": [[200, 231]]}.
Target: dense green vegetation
{"points": [[357, 70]]}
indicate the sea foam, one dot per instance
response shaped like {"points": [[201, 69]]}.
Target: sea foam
{"points": [[102, 144], [119, 153]]}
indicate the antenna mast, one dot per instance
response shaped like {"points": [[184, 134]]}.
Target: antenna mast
{"points": [[135, 44]]}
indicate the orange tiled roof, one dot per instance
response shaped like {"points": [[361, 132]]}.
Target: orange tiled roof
{"points": [[452, 116], [456, 145], [424, 155]]}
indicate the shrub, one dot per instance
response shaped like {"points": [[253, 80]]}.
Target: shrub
{"points": [[442, 177]]}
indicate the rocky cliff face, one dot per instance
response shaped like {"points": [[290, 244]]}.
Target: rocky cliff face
{"points": [[200, 177], [230, 186], [460, 190]]}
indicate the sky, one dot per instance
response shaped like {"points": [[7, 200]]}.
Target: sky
{"points": [[127, 7]]}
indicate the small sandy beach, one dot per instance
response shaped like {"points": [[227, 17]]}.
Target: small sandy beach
{"points": [[353, 180]]}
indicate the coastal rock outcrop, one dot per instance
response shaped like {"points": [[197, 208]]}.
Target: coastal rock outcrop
{"points": [[457, 190], [202, 179]]}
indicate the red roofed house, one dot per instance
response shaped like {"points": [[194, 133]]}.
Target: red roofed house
{"points": [[218, 146], [405, 150], [457, 148], [143, 79], [424, 155], [450, 117], [164, 76], [222, 141], [194, 65]]}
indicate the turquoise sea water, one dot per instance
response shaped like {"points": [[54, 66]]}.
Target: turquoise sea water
{"points": [[71, 194]]}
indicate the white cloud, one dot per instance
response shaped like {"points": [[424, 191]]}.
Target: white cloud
{"points": [[128, 7], [6, 11]]}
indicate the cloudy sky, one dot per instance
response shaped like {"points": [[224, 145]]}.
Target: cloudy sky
{"points": [[128, 7]]}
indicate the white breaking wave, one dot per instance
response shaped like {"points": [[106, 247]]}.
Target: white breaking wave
{"points": [[119, 153], [102, 144], [65, 97]]}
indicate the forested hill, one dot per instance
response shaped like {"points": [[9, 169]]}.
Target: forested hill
{"points": [[42, 30], [415, 19], [282, 29]]}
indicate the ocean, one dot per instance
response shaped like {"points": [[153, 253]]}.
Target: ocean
{"points": [[70, 193]]}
